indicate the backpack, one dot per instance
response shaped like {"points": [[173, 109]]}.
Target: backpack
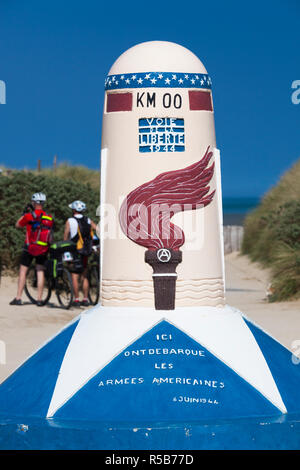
{"points": [[58, 249], [40, 235], [54, 268], [84, 237]]}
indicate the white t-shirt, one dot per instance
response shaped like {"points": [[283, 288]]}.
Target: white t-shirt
{"points": [[74, 224]]}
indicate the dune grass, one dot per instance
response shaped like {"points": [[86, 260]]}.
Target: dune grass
{"points": [[77, 173], [272, 235]]}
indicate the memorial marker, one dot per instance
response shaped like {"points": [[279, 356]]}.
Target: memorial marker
{"points": [[162, 361]]}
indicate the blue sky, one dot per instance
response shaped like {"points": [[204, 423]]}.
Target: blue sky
{"points": [[54, 57]]}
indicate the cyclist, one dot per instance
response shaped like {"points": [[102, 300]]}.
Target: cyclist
{"points": [[38, 236], [78, 229]]}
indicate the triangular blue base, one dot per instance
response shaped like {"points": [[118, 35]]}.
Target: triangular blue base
{"points": [[165, 375], [286, 373], [164, 391], [250, 433], [28, 391]]}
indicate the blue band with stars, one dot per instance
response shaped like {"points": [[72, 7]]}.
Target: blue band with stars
{"points": [[158, 80]]}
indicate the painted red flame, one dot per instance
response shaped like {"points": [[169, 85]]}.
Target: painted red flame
{"points": [[146, 212]]}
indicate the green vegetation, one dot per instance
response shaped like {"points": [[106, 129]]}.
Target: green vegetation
{"points": [[272, 235], [16, 190], [80, 174]]}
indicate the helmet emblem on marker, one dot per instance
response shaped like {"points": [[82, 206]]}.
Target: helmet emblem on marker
{"points": [[164, 255]]}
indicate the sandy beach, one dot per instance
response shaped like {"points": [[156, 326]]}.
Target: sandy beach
{"points": [[24, 329]]}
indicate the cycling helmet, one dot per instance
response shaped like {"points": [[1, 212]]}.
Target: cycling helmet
{"points": [[78, 206], [39, 198]]}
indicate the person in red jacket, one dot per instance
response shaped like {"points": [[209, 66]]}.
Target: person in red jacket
{"points": [[31, 213]]}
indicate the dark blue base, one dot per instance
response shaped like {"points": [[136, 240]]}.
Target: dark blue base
{"points": [[240, 434]]}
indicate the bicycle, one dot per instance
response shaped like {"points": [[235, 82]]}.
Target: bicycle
{"points": [[93, 276], [57, 277]]}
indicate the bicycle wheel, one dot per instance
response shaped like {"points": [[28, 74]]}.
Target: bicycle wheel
{"points": [[64, 289], [31, 287], [94, 289]]}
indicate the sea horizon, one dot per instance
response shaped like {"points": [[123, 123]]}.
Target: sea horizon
{"points": [[235, 209]]}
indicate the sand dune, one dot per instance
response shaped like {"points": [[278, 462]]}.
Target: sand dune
{"points": [[24, 329], [246, 288]]}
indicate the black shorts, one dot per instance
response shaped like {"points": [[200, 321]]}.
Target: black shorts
{"points": [[26, 258], [80, 263]]}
